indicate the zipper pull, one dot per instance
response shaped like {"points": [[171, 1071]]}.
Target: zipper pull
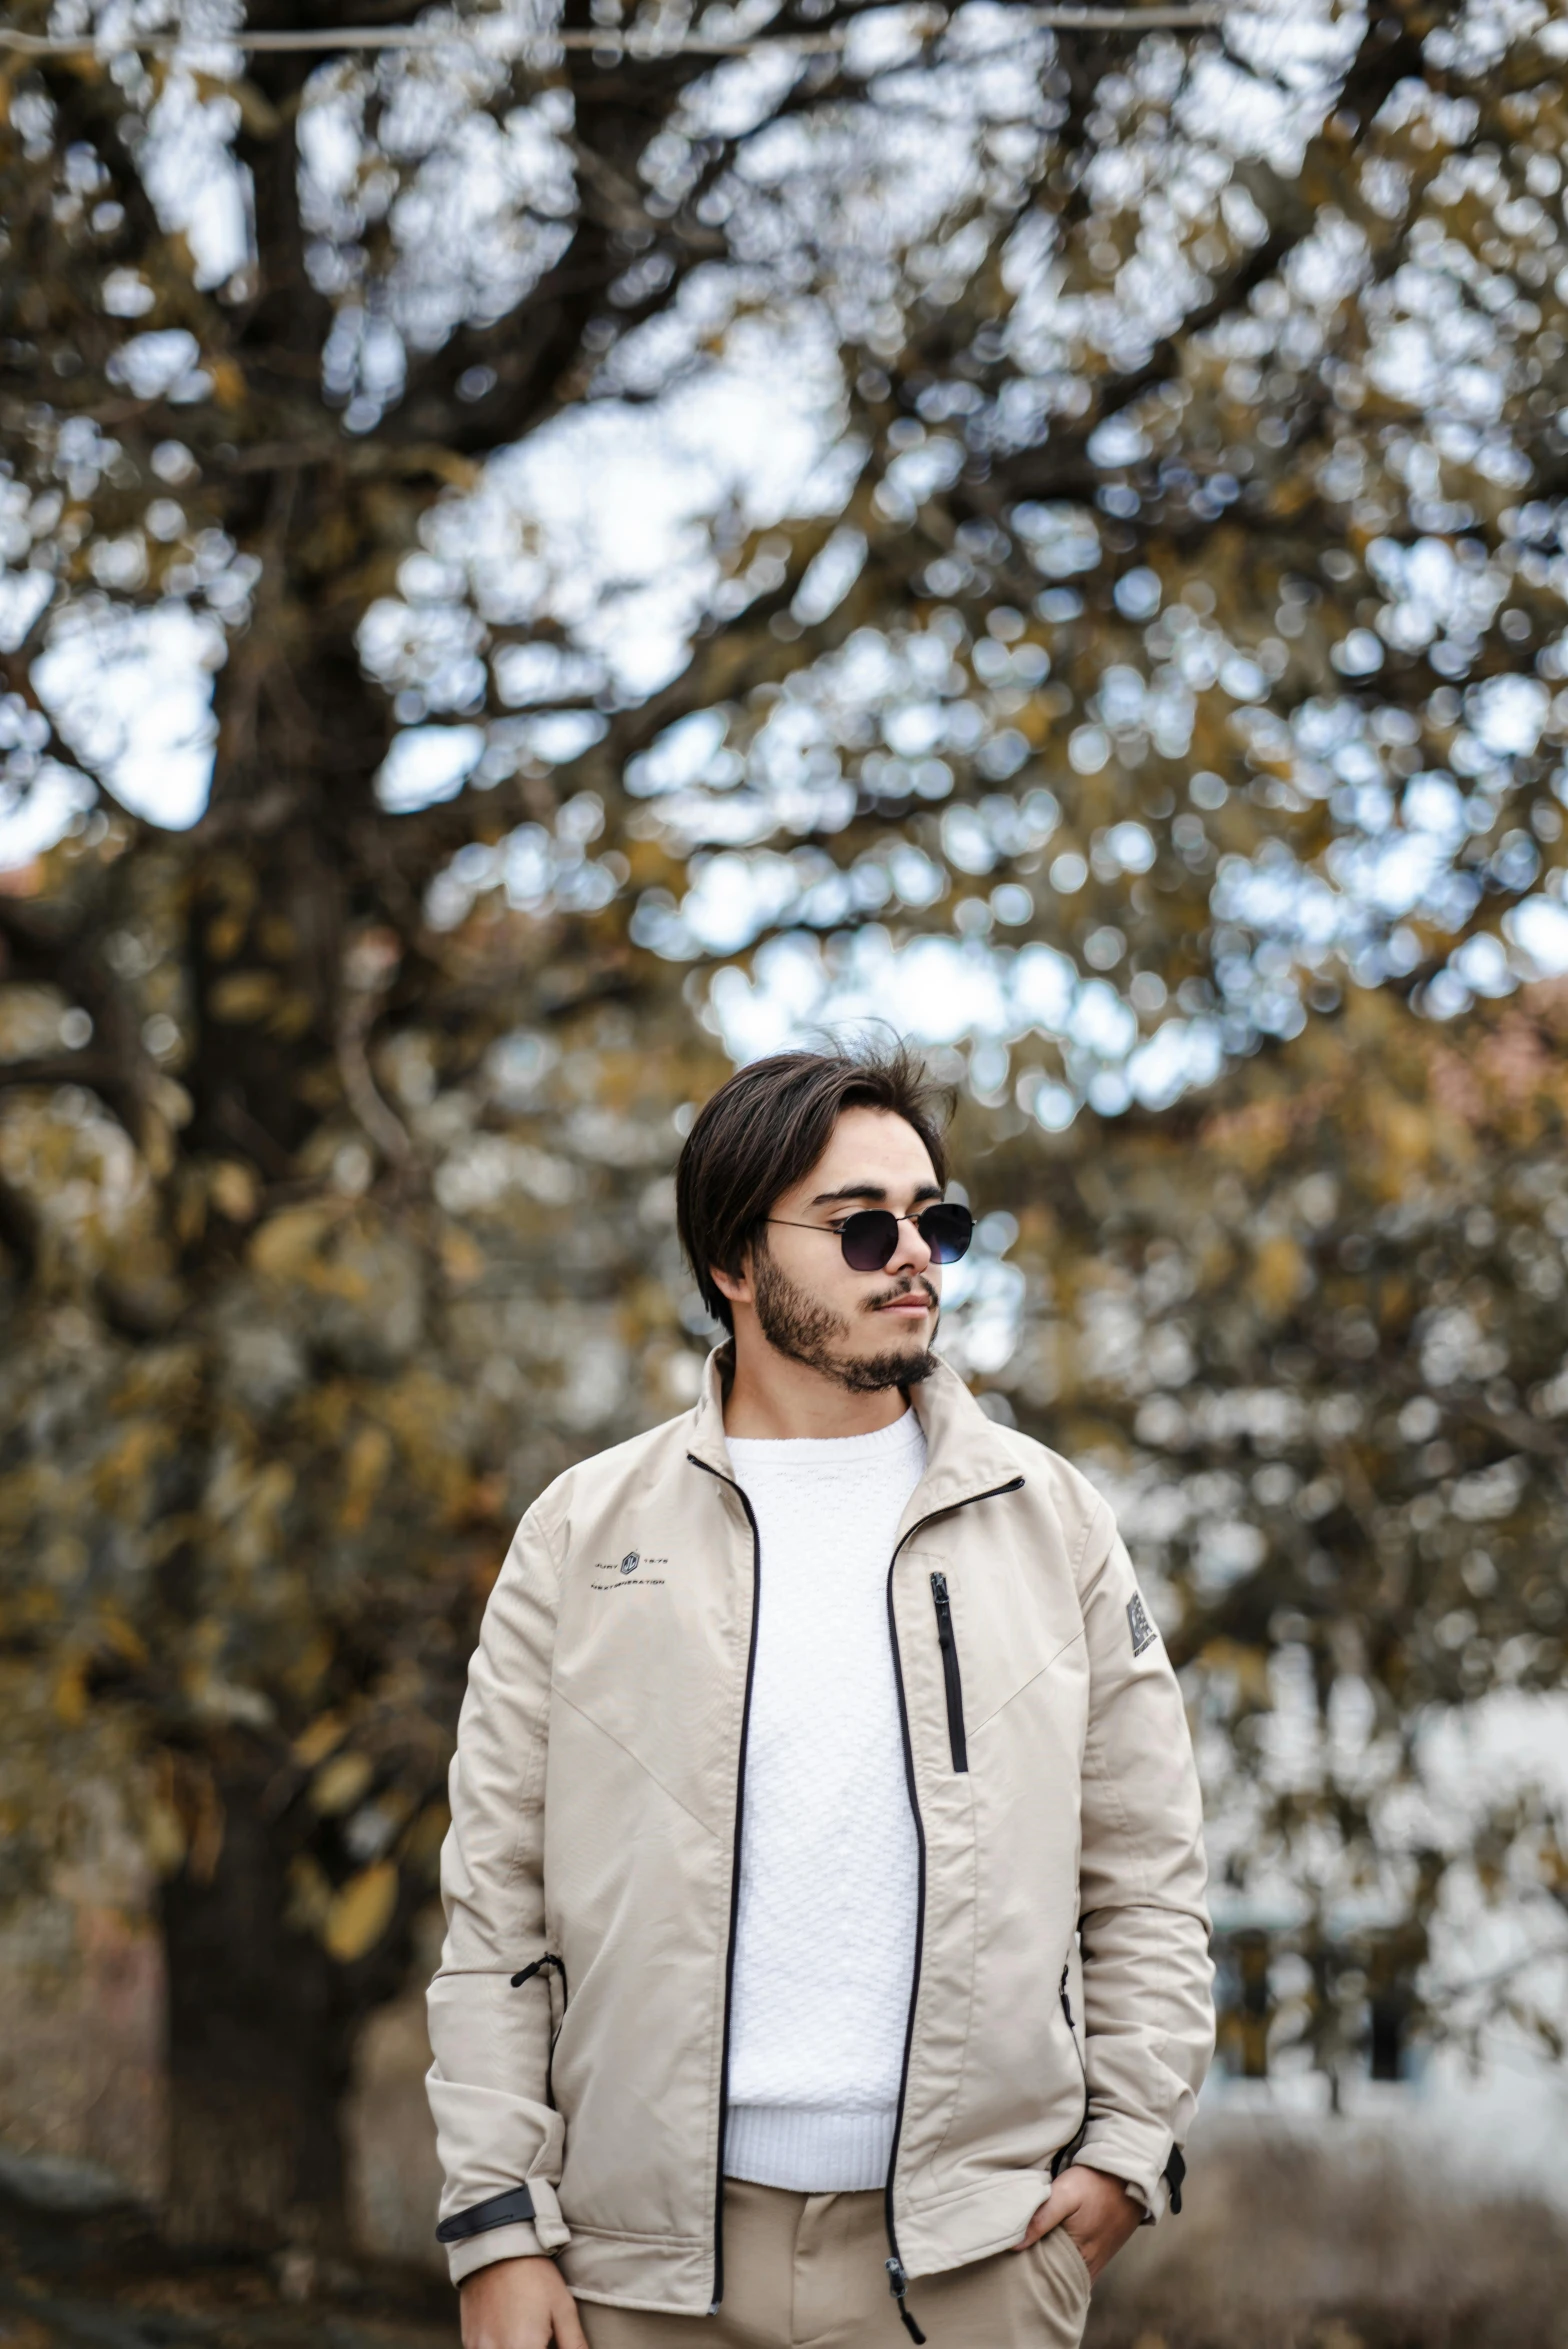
{"points": [[898, 2285], [1067, 2004], [944, 1613], [542, 1965]]}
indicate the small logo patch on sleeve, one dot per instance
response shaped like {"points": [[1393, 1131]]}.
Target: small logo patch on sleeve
{"points": [[1143, 1632]]}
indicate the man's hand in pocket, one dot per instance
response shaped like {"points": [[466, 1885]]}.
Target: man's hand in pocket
{"points": [[1097, 2211]]}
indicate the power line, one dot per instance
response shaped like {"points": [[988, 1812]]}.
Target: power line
{"points": [[1164, 16]]}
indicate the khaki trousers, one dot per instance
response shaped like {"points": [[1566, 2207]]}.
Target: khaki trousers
{"points": [[804, 2271]]}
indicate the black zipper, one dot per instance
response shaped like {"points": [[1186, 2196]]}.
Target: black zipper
{"points": [[740, 1805], [544, 1967], [1068, 2152], [950, 1673], [898, 2281]]}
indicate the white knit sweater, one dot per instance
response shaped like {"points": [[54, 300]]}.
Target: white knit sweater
{"points": [[829, 1859]]}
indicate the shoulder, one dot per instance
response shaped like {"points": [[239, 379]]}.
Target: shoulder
{"points": [[1082, 1512]]}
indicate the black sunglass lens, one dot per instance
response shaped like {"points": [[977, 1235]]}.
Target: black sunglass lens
{"points": [[868, 1239], [947, 1231]]}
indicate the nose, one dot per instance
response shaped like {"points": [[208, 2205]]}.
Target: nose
{"points": [[911, 1255]]}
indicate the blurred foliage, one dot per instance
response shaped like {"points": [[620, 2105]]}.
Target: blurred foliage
{"points": [[1307, 1332], [1151, 691]]}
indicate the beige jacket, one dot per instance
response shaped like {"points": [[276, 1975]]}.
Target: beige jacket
{"points": [[1062, 1979]]}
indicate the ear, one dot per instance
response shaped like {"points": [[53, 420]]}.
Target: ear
{"points": [[735, 1287]]}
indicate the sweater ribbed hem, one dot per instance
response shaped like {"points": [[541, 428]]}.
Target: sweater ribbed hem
{"points": [[809, 2152]]}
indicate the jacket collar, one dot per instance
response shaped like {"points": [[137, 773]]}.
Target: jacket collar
{"points": [[707, 1417], [966, 1453]]}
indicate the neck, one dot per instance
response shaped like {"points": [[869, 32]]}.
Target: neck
{"points": [[771, 1396]]}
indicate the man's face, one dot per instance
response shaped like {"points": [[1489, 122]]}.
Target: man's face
{"points": [[865, 1330]]}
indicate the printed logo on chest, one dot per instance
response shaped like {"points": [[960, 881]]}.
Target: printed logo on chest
{"points": [[631, 1571]]}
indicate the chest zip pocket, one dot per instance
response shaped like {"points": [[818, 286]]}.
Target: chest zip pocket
{"points": [[951, 1679]]}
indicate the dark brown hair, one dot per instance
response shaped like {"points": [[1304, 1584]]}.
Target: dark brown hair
{"points": [[765, 1129]]}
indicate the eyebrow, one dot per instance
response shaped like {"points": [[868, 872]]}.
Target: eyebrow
{"points": [[848, 1191]]}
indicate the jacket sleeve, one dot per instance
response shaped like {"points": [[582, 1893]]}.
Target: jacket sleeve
{"points": [[499, 2141], [1144, 1926]]}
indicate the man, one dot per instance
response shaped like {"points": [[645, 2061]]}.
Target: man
{"points": [[824, 1887]]}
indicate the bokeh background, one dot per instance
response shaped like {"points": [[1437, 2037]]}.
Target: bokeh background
{"points": [[551, 554]]}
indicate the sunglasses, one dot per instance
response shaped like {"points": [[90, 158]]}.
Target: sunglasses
{"points": [[869, 1238]]}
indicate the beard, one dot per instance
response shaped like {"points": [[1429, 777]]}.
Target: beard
{"points": [[803, 1330]]}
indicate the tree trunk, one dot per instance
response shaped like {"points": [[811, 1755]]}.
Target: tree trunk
{"points": [[258, 2046]]}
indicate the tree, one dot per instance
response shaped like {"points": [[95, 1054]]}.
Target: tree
{"points": [[1306, 1331], [1164, 640]]}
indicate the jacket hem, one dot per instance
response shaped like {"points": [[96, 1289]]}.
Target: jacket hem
{"points": [[668, 2275], [613, 2271], [951, 2232]]}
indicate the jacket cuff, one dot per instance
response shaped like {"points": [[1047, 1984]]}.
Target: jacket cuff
{"points": [[542, 2236], [520, 2240], [1137, 2156]]}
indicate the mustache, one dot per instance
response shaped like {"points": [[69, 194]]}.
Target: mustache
{"points": [[907, 1288]]}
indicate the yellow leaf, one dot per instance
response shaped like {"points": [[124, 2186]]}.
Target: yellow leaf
{"points": [[309, 1667], [234, 1190], [369, 1457], [1406, 1133], [315, 1743], [225, 936], [70, 1691], [228, 383], [461, 1260], [243, 995], [339, 1786], [119, 1635], [286, 1243], [163, 1837], [173, 1104], [1278, 1274], [361, 1912]]}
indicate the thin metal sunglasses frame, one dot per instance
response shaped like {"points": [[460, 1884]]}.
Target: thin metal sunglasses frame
{"points": [[885, 1215]]}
